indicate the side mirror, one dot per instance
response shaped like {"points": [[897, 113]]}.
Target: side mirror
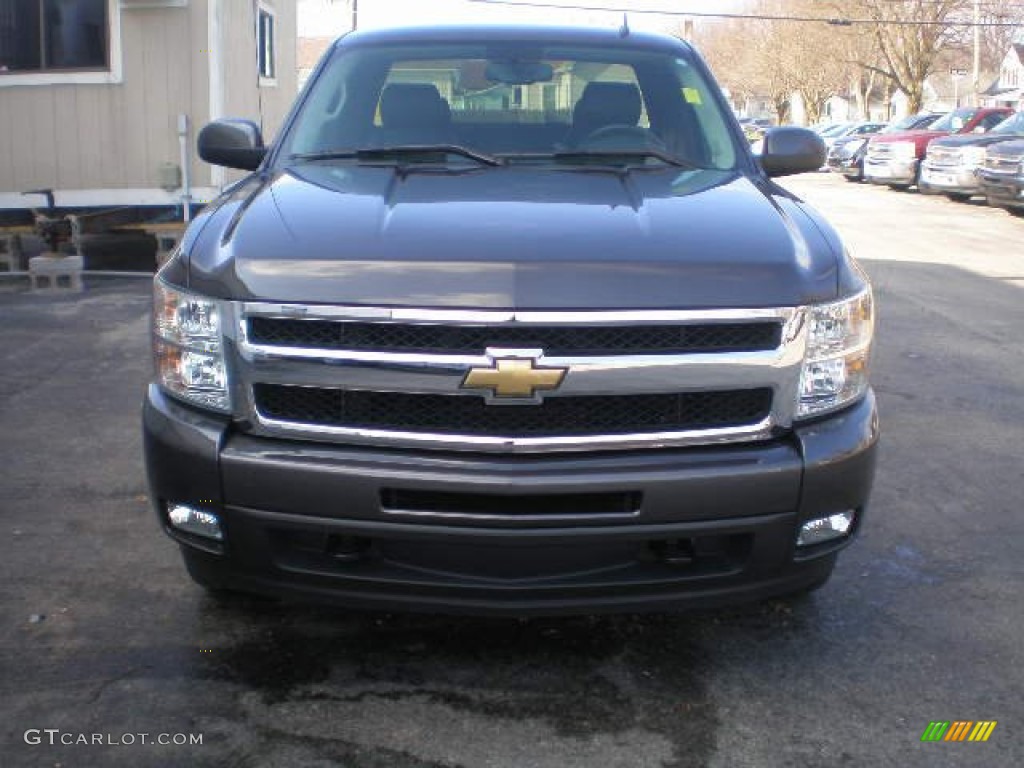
{"points": [[788, 150], [232, 143]]}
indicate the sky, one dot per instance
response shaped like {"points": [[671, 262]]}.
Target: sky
{"points": [[324, 18]]}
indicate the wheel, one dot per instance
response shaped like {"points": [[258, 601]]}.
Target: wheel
{"points": [[853, 179]]}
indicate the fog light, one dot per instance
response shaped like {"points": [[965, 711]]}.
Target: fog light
{"points": [[824, 529], [195, 521]]}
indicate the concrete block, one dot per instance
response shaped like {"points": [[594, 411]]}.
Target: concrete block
{"points": [[50, 272]]}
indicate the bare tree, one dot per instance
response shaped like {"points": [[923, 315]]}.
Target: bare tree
{"points": [[725, 49], [815, 58], [909, 36], [752, 58], [1002, 22], [901, 43], [862, 64]]}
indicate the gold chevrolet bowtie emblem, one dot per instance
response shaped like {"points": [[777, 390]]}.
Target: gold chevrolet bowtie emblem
{"points": [[511, 378]]}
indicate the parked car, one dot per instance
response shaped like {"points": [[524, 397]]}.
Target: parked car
{"points": [[951, 164], [1002, 176], [754, 127], [894, 159], [828, 125], [853, 130], [847, 154], [432, 353]]}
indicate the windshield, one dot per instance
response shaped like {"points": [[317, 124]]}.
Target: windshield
{"points": [[511, 101], [918, 122], [954, 121], [1014, 124], [835, 130]]}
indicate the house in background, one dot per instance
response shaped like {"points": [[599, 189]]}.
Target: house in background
{"points": [[101, 100], [310, 51], [1006, 90]]}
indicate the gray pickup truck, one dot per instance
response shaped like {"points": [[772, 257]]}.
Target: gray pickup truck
{"points": [[509, 320]]}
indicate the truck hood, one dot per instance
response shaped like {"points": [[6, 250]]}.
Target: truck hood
{"points": [[914, 136], [975, 139], [1013, 148], [514, 238]]}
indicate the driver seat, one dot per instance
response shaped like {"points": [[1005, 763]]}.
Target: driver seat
{"points": [[414, 113], [602, 105]]}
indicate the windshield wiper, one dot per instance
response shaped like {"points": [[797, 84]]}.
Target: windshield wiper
{"points": [[583, 155], [402, 152]]}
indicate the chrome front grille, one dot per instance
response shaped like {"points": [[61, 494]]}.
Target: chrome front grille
{"points": [[553, 339], [944, 157], [588, 415], [399, 377], [879, 151], [1010, 164]]}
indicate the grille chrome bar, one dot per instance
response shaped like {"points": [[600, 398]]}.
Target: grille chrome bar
{"points": [[555, 340], [944, 157], [776, 370], [1004, 164], [471, 415]]}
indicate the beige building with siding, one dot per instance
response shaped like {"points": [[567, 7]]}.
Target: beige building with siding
{"points": [[92, 93]]}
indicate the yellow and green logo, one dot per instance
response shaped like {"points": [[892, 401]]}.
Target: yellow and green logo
{"points": [[958, 730]]}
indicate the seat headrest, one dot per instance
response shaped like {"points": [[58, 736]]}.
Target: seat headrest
{"points": [[609, 104], [404, 103]]}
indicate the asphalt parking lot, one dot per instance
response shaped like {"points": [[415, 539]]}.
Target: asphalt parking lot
{"points": [[102, 632]]}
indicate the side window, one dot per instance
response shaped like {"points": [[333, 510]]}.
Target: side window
{"points": [[708, 138], [42, 35], [991, 121], [266, 38]]}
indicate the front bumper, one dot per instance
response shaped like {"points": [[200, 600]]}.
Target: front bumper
{"points": [[848, 165], [891, 171], [946, 180], [389, 529], [1003, 191]]}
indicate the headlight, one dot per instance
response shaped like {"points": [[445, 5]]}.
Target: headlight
{"points": [[187, 347], [973, 155], [904, 150], [835, 370]]}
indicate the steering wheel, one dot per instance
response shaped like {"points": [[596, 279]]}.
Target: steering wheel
{"points": [[622, 137]]}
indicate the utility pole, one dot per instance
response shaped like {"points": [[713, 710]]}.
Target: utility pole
{"points": [[977, 53], [355, 14]]}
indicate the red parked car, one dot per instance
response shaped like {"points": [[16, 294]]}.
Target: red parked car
{"points": [[895, 159]]}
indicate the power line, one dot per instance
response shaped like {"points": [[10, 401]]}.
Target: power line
{"points": [[835, 21]]}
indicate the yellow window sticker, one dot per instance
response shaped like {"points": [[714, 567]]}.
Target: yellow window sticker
{"points": [[692, 96]]}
